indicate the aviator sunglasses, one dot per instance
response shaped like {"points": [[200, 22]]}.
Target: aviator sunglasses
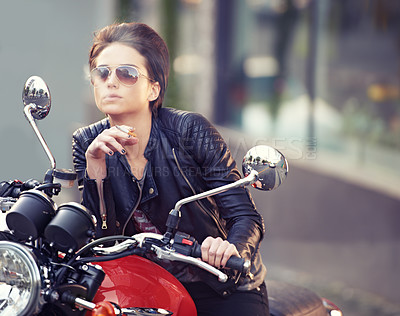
{"points": [[126, 74]]}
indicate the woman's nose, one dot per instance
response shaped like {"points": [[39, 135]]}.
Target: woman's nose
{"points": [[112, 78]]}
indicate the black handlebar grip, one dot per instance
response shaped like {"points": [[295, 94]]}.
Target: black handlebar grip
{"points": [[239, 264], [196, 252], [235, 263]]}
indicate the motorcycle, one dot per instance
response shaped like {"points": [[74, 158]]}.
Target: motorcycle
{"points": [[52, 264]]}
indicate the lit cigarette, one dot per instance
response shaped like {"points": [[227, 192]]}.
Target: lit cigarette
{"points": [[125, 130]]}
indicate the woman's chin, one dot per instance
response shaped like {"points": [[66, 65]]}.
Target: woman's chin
{"points": [[112, 110]]}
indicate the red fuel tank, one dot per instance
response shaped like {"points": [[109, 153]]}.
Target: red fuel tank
{"points": [[137, 282]]}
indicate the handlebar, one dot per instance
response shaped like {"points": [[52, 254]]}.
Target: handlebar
{"points": [[235, 263], [13, 188], [187, 245], [183, 248]]}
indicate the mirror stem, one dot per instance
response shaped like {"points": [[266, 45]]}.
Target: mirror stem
{"points": [[29, 117], [175, 214], [250, 179]]}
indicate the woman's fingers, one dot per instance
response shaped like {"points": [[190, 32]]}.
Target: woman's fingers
{"points": [[110, 141], [216, 251], [209, 248], [102, 145], [230, 251], [124, 136]]}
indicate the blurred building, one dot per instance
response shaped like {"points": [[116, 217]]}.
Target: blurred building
{"points": [[315, 77]]}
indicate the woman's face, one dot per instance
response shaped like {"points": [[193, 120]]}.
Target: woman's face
{"points": [[116, 99]]}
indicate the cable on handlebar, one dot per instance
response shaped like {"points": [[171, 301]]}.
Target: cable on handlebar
{"points": [[125, 253], [85, 248], [96, 242]]}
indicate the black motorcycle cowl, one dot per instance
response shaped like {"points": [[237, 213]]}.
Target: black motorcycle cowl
{"points": [[29, 216], [71, 228]]}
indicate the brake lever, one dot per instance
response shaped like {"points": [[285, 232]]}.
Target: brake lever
{"points": [[174, 256], [162, 253]]}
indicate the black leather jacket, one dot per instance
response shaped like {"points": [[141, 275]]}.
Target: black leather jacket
{"points": [[186, 155]]}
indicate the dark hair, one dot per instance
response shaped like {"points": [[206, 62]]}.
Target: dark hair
{"points": [[146, 41]]}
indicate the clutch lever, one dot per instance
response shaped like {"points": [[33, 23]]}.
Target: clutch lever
{"points": [[138, 240]]}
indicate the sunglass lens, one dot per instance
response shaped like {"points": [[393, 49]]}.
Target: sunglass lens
{"points": [[99, 74], [127, 75]]}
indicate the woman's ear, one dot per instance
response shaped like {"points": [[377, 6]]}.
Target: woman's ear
{"points": [[155, 91]]}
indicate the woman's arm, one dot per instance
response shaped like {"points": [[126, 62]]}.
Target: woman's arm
{"points": [[90, 148], [244, 224]]}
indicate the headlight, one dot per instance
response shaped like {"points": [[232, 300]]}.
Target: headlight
{"points": [[19, 280]]}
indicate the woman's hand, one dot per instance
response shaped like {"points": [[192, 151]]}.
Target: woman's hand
{"points": [[107, 142], [110, 141], [217, 251]]}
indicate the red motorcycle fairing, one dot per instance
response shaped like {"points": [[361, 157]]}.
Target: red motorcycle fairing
{"points": [[137, 282]]}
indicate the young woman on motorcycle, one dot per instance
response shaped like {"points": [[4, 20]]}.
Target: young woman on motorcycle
{"points": [[132, 180]]}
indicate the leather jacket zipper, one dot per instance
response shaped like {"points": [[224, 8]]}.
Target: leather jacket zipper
{"points": [[134, 208], [103, 210], [221, 229]]}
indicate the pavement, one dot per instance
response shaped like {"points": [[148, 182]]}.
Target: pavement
{"points": [[352, 302]]}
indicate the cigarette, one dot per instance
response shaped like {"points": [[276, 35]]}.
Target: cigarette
{"points": [[125, 130]]}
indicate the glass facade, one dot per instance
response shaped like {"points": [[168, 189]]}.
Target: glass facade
{"points": [[320, 79], [322, 74]]}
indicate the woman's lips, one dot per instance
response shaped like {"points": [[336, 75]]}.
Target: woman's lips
{"points": [[111, 98]]}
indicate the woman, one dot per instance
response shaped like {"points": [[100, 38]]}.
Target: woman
{"points": [[132, 180]]}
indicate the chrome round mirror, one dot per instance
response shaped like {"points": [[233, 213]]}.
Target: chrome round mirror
{"points": [[271, 165], [37, 95]]}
